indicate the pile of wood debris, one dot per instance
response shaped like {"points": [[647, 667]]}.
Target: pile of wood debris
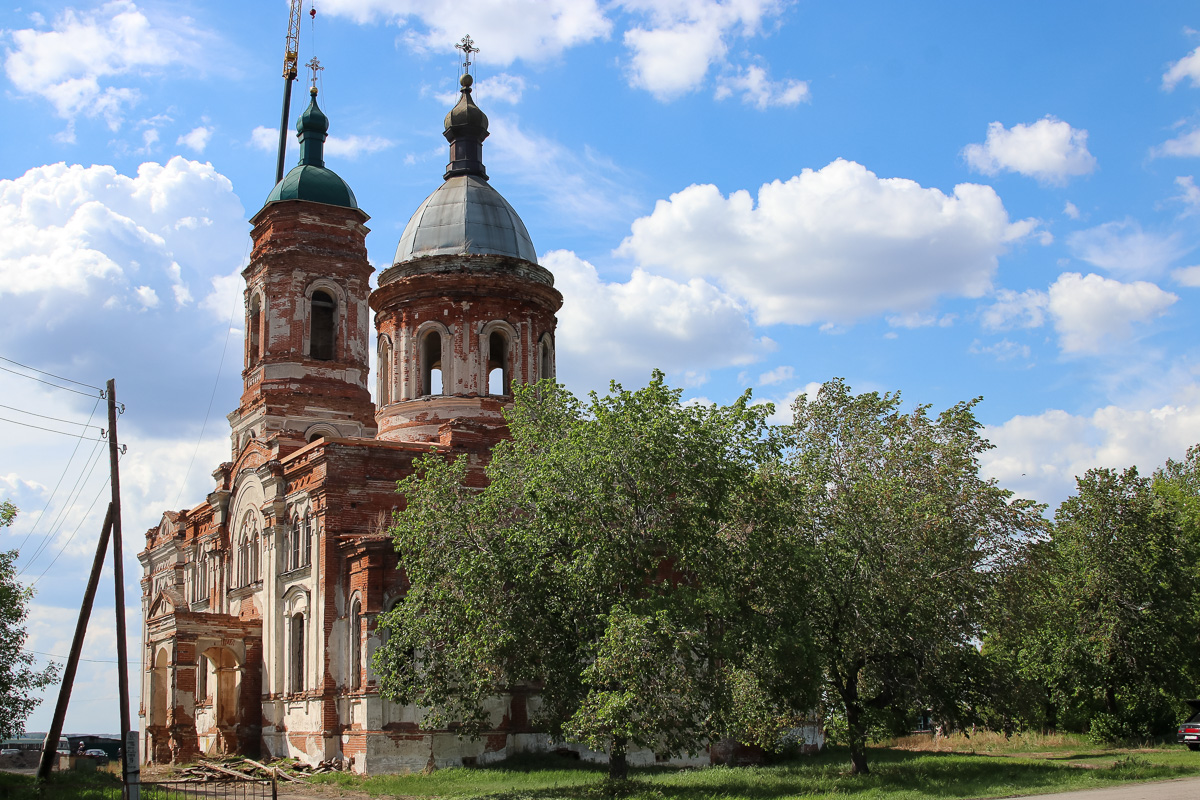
{"points": [[246, 768]]}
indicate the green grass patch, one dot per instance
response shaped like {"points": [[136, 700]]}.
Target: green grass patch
{"points": [[896, 774]]}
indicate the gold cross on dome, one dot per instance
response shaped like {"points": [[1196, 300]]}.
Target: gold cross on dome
{"points": [[316, 67], [467, 45]]}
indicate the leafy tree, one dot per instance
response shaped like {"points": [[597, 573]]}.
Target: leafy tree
{"points": [[624, 563], [18, 679], [1119, 637], [908, 541]]}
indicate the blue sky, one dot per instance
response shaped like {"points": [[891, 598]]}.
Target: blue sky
{"points": [[950, 200]]}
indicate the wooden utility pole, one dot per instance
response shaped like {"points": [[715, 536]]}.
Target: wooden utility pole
{"points": [[50, 746], [130, 769]]}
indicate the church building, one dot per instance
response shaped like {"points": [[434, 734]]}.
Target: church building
{"points": [[259, 603]]}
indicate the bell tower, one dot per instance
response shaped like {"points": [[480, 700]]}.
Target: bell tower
{"points": [[465, 312], [306, 359]]}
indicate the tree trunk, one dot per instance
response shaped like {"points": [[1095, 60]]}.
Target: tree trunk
{"points": [[858, 740], [618, 767], [1110, 700]]}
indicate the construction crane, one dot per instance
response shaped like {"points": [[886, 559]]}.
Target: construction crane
{"points": [[291, 57]]}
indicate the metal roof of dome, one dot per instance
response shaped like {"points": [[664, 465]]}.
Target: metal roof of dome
{"points": [[465, 216]]}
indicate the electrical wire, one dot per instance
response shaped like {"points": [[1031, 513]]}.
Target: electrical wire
{"points": [[72, 536], [50, 374], [50, 430], [72, 498], [87, 424], [54, 492], [64, 658], [55, 385]]}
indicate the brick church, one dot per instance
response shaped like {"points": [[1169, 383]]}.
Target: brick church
{"points": [[259, 603]]}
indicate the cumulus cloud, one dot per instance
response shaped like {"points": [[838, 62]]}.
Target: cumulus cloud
{"points": [[502, 88], [831, 245], [1038, 456], [757, 90], [532, 30], [1003, 350], [1049, 150], [90, 255], [1184, 145], [1125, 249], [623, 330], [1187, 276], [1189, 195], [1071, 210], [777, 375], [1012, 309], [196, 139], [1186, 68], [76, 63], [1092, 313]]}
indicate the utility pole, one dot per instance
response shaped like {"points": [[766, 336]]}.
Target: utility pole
{"points": [[130, 769], [50, 746]]}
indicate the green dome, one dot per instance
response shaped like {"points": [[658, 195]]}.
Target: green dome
{"points": [[310, 180], [317, 184]]}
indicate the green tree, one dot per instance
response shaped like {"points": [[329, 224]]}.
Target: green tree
{"points": [[1119, 639], [908, 542], [624, 562], [18, 679]]}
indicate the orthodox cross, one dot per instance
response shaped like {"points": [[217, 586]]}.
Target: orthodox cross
{"points": [[316, 67], [467, 45]]}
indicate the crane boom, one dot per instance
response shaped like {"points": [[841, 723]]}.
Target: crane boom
{"points": [[291, 57], [291, 53]]}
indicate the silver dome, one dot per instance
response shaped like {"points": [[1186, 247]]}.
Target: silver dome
{"points": [[465, 216]]}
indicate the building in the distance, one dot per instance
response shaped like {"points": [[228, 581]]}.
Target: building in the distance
{"points": [[259, 603]]}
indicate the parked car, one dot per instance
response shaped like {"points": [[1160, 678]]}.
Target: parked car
{"points": [[96, 752], [10, 751], [1189, 731]]}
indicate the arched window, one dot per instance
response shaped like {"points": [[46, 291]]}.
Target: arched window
{"points": [[431, 363], [293, 550], [247, 561], [384, 392], [306, 543], [253, 323], [356, 644], [497, 366], [201, 678], [296, 653], [545, 358], [322, 322]]}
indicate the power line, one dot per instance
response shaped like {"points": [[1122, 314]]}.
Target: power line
{"points": [[51, 430], [93, 660], [87, 424], [48, 383], [72, 498], [50, 374], [72, 536], [54, 492]]}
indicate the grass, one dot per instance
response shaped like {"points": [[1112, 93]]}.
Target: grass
{"points": [[896, 774]]}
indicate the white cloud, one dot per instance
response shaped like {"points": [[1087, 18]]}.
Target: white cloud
{"points": [[777, 375], [757, 90], [579, 184], [1003, 350], [1049, 150], [1186, 68], [1187, 276], [347, 147], [1025, 309], [1124, 248], [1039, 456], [1189, 195], [532, 30], [1183, 145], [680, 40], [615, 330], [836, 244], [1071, 210], [147, 296], [502, 88], [1092, 313], [196, 139], [915, 319], [73, 64]]}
